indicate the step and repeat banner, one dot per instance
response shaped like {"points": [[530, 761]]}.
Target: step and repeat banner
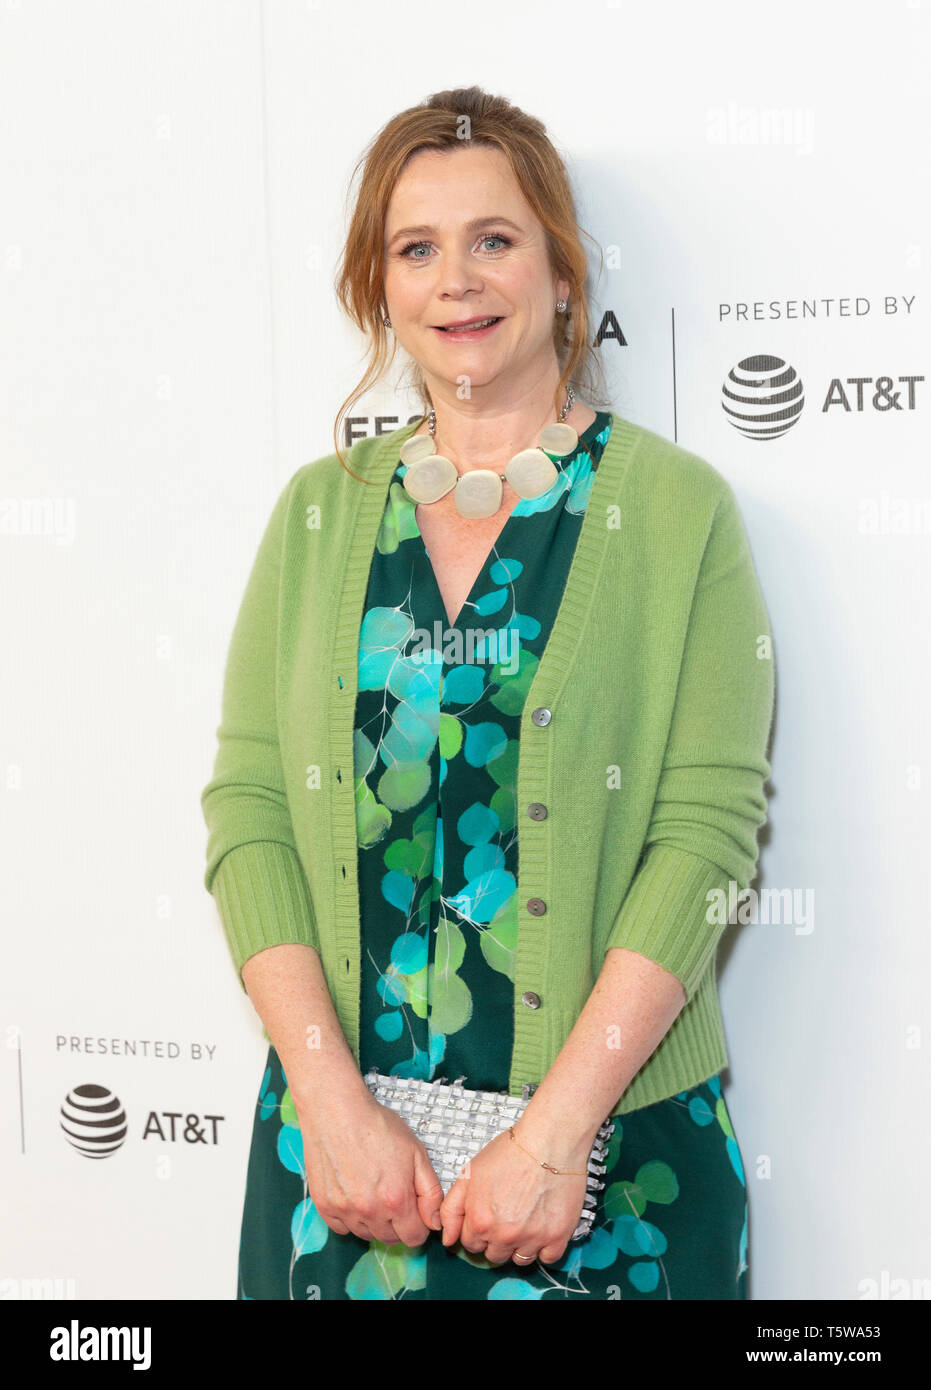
{"points": [[176, 180]]}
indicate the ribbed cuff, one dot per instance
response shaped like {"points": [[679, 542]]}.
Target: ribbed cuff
{"points": [[263, 900], [665, 913]]}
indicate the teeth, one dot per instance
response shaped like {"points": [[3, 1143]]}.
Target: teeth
{"points": [[462, 327]]}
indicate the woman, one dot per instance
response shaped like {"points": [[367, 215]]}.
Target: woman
{"points": [[609, 630]]}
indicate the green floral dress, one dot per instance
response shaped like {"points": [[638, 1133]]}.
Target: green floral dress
{"points": [[436, 743]]}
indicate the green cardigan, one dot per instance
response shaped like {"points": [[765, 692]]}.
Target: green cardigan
{"points": [[644, 734]]}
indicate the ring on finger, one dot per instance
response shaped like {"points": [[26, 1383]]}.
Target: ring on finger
{"points": [[523, 1259]]}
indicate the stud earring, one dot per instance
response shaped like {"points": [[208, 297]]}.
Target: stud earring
{"points": [[387, 321], [561, 306]]}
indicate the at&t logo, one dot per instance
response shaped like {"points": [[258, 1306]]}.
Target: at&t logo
{"points": [[93, 1120], [763, 397]]}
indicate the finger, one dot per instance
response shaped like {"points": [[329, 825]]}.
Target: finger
{"points": [[496, 1248], [343, 1228], [410, 1227], [360, 1229], [339, 1227], [375, 1229], [470, 1238], [469, 1241], [523, 1262], [451, 1212], [413, 1233], [429, 1191], [497, 1254], [429, 1207]]}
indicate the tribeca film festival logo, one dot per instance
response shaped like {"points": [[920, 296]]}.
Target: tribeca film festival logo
{"points": [[763, 395], [95, 1123]]}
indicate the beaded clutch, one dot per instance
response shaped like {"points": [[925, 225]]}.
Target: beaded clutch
{"points": [[454, 1123]]}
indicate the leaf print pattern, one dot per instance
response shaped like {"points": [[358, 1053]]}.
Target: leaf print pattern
{"points": [[435, 752], [671, 1220], [435, 762]]}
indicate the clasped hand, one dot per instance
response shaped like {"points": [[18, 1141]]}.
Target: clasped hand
{"points": [[369, 1174], [505, 1202]]}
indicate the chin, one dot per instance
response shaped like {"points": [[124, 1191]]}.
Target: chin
{"points": [[481, 376]]}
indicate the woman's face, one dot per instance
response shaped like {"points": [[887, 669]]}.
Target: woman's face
{"points": [[454, 266]]}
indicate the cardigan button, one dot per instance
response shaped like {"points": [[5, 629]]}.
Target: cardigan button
{"points": [[537, 906], [541, 715], [537, 811], [530, 999]]}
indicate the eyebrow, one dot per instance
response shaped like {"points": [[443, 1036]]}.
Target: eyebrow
{"points": [[472, 226]]}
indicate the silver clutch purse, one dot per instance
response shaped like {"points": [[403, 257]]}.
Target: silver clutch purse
{"points": [[454, 1123]]}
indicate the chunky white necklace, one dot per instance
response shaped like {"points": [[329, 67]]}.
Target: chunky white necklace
{"points": [[478, 493]]}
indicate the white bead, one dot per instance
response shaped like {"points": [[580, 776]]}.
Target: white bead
{"points": [[430, 479], [419, 446], [531, 473], [558, 439], [478, 493]]}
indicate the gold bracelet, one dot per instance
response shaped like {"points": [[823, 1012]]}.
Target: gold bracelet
{"points": [[566, 1172]]}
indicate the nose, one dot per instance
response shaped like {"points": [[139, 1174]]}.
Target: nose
{"points": [[458, 274]]}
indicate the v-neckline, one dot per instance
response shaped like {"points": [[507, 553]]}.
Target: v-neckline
{"points": [[585, 438], [468, 601]]}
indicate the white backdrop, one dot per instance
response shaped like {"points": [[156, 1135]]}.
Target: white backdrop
{"points": [[174, 180]]}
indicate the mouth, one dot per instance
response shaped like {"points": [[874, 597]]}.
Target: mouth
{"points": [[463, 332]]}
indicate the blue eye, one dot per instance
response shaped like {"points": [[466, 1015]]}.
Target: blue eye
{"points": [[416, 245], [412, 245]]}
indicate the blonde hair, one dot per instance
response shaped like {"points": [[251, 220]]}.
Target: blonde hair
{"points": [[437, 124]]}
